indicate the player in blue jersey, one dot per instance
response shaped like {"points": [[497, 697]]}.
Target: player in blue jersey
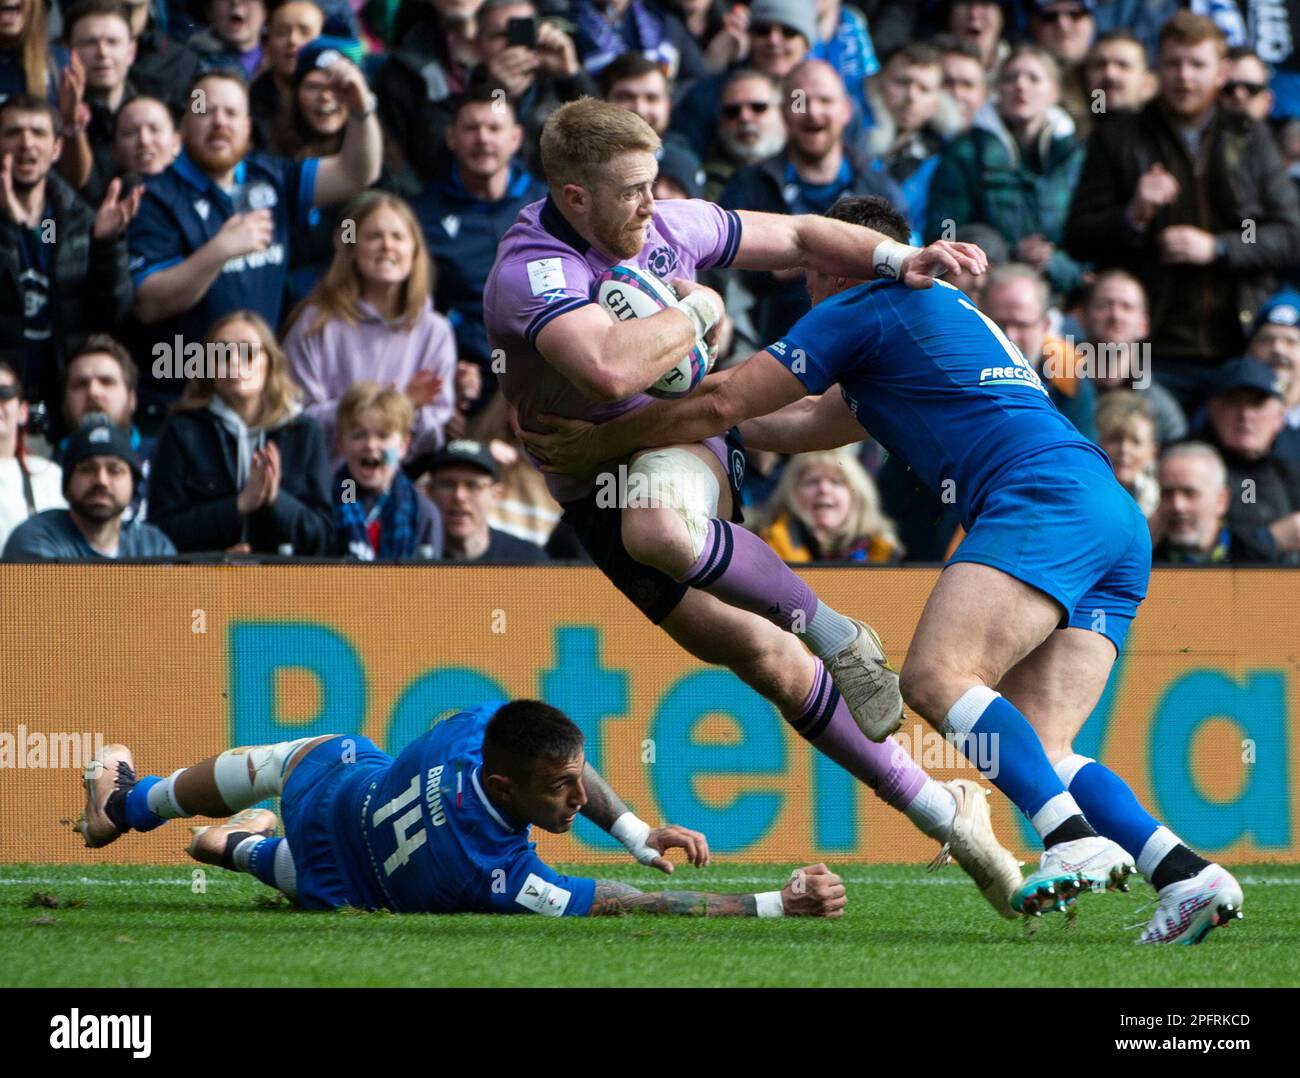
{"points": [[443, 828], [1018, 637]]}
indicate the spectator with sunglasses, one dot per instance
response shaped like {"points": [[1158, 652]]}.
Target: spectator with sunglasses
{"points": [[28, 484], [818, 166], [1271, 28], [748, 128], [1246, 90], [1066, 29], [780, 35]]}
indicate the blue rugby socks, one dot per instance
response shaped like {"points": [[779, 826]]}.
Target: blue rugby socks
{"points": [[998, 740], [1114, 810]]}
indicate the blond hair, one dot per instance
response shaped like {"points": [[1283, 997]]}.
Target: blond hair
{"points": [[33, 45], [338, 295], [391, 404], [581, 138], [1119, 409], [1045, 59], [279, 394], [865, 517]]}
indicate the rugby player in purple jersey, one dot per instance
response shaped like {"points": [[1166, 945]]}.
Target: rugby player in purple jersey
{"points": [[678, 554]]}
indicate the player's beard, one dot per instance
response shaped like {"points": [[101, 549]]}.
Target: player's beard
{"points": [[620, 237]]}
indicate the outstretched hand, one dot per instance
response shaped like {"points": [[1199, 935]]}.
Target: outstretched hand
{"points": [[921, 269]]}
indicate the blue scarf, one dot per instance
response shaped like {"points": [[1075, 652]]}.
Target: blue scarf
{"points": [[397, 511], [609, 41]]}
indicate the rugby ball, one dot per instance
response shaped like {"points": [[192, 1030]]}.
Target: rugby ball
{"points": [[627, 292]]}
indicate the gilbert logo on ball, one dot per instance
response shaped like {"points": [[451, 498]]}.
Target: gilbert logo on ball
{"points": [[627, 292]]}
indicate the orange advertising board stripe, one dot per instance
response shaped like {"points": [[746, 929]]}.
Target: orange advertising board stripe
{"points": [[180, 662]]}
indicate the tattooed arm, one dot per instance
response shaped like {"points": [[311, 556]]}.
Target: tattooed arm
{"points": [[814, 891], [613, 898], [603, 805], [647, 844]]}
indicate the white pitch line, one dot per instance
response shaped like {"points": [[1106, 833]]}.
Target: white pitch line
{"points": [[874, 881], [56, 881]]}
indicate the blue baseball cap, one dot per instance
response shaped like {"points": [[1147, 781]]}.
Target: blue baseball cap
{"points": [[1247, 373], [1280, 309]]}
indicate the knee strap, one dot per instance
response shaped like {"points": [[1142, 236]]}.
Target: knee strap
{"points": [[678, 480], [238, 788]]}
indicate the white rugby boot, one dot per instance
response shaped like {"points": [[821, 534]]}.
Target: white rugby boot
{"points": [[974, 846], [1070, 869], [1188, 909]]}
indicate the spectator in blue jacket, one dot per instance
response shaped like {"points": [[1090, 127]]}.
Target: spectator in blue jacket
{"points": [[100, 471], [465, 214], [844, 42]]}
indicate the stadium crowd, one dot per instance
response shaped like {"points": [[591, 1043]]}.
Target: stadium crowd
{"points": [[315, 190]]}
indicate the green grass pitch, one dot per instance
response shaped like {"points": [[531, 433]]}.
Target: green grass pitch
{"points": [[144, 926]]}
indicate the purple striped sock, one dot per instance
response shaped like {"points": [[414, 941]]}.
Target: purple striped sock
{"points": [[742, 570], [825, 722]]}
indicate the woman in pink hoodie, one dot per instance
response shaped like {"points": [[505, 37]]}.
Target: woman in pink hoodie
{"points": [[371, 319]]}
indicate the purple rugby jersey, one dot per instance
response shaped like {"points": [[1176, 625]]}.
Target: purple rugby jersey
{"points": [[545, 269]]}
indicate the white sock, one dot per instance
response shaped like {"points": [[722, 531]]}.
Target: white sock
{"points": [[829, 632], [244, 852], [286, 872], [161, 798], [1070, 766], [1155, 848], [1055, 812], [933, 809]]}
